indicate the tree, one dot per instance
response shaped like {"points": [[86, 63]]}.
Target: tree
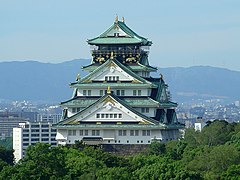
{"points": [[6, 155], [233, 173], [157, 148], [216, 133]]}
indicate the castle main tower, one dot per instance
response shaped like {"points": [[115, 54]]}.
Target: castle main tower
{"points": [[118, 102]]}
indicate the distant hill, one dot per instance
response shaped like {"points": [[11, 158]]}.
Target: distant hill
{"points": [[203, 82], [46, 82], [36, 81]]}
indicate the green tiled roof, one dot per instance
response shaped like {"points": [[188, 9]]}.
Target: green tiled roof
{"points": [[138, 102], [105, 85], [115, 40], [120, 126], [68, 120], [131, 38], [79, 102], [133, 102], [140, 67], [133, 67], [127, 70], [168, 104]]}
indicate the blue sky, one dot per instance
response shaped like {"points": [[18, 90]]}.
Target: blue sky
{"points": [[184, 32]]}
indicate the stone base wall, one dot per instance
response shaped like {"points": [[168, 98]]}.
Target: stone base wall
{"points": [[125, 149]]}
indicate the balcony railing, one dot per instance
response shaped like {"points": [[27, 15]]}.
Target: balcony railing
{"points": [[116, 52]]}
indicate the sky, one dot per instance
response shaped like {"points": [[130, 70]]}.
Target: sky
{"points": [[184, 32]]}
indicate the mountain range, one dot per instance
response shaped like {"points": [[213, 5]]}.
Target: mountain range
{"points": [[47, 82]]}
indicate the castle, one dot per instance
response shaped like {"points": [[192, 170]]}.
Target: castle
{"points": [[118, 102]]}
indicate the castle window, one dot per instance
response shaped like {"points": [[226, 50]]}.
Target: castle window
{"points": [[71, 132], [74, 132], [134, 92], [122, 132], [81, 132], [131, 132], [143, 132], [145, 110], [86, 132], [95, 132], [89, 92], [73, 110], [116, 34], [108, 116], [148, 133], [101, 92], [122, 92], [118, 92], [139, 92], [111, 78], [136, 132]]}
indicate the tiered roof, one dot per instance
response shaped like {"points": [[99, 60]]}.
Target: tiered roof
{"points": [[126, 36]]}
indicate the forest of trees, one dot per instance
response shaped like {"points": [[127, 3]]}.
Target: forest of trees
{"points": [[213, 153]]}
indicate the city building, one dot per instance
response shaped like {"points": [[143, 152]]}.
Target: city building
{"points": [[52, 118], [118, 102], [199, 124], [9, 120], [29, 133]]}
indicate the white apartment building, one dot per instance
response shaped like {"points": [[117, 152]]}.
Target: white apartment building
{"points": [[29, 133]]}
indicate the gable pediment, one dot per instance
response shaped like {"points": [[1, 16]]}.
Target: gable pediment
{"points": [[116, 32], [110, 72], [109, 109]]}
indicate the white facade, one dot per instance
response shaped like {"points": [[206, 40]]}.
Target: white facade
{"points": [[28, 133], [116, 136]]}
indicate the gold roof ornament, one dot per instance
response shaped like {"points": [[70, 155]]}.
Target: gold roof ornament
{"points": [[116, 19], [78, 77], [123, 19], [108, 90], [112, 55]]}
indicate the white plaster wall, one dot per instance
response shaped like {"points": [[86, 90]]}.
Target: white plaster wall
{"points": [[111, 136], [151, 113], [123, 76], [17, 143], [128, 91]]}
